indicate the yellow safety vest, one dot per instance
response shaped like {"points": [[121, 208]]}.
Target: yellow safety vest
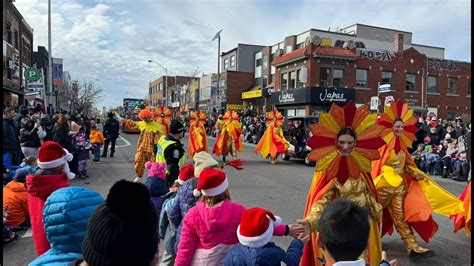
{"points": [[163, 143]]}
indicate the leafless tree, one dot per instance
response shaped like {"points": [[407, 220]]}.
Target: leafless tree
{"points": [[87, 96], [82, 100]]}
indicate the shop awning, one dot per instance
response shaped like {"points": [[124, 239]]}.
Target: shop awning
{"points": [[291, 57], [12, 89], [334, 52]]}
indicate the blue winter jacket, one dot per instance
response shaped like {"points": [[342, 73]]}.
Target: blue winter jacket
{"points": [[184, 201], [66, 214], [157, 188], [166, 230], [270, 254]]}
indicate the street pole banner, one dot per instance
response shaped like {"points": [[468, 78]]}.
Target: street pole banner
{"points": [[388, 100], [374, 103]]}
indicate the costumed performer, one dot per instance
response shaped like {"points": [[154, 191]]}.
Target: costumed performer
{"points": [[407, 195], [273, 143], [197, 133], [149, 136], [464, 219], [163, 117], [229, 140], [344, 143]]}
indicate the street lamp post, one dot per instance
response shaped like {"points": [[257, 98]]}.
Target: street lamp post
{"points": [[166, 80], [218, 37], [50, 60]]}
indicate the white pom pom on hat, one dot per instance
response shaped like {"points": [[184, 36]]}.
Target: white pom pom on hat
{"points": [[256, 227]]}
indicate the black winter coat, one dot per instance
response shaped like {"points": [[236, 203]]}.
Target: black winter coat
{"points": [[11, 142]]}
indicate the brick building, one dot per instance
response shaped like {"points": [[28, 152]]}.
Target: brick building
{"points": [[159, 88], [17, 54], [310, 71]]}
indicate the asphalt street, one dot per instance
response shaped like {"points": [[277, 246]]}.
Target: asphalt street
{"points": [[281, 188]]}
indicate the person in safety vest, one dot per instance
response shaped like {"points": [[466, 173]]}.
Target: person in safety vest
{"points": [[170, 150]]}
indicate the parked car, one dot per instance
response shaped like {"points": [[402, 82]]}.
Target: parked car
{"points": [[298, 139]]}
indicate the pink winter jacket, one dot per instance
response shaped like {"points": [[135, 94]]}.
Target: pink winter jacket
{"points": [[209, 232]]}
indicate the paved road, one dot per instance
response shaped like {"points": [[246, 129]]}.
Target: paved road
{"points": [[281, 188]]}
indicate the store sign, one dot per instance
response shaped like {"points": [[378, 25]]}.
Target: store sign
{"points": [[235, 107], [252, 94], [331, 96], [294, 96], [379, 55], [443, 64], [313, 95]]}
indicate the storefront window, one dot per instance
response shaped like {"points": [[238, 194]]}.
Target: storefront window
{"points": [[300, 112], [432, 84], [292, 80], [386, 77], [284, 81], [290, 112], [410, 81], [361, 77], [452, 85]]}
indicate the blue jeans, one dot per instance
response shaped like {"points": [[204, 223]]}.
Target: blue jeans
{"points": [[97, 152]]}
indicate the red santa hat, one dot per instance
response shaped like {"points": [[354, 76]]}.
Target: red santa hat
{"points": [[212, 182], [52, 155], [256, 227], [186, 172]]}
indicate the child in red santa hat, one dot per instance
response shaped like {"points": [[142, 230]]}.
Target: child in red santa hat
{"points": [[53, 174], [208, 230], [254, 233]]}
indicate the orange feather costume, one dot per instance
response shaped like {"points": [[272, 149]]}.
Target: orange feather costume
{"points": [[272, 142], [339, 176], [229, 140], [197, 133]]}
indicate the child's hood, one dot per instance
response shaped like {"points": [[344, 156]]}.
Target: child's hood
{"points": [[42, 186], [220, 217], [16, 186]]}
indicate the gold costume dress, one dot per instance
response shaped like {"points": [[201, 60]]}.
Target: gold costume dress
{"points": [[340, 176], [197, 133], [229, 140], [272, 143], [408, 203]]}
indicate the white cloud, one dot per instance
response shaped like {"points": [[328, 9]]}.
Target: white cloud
{"points": [[112, 39]]}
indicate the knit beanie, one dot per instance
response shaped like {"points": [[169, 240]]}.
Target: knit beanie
{"points": [[122, 230], [203, 160], [20, 174]]}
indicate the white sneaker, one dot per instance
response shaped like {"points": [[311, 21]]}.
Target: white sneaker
{"points": [[137, 180]]}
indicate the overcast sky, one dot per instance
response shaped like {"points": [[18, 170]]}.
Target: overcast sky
{"points": [[112, 40]]}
